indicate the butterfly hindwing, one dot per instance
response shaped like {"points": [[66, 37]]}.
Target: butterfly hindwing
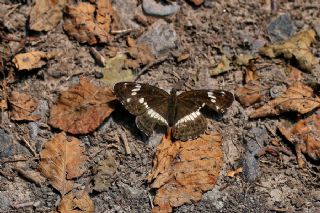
{"points": [[218, 100], [148, 103]]}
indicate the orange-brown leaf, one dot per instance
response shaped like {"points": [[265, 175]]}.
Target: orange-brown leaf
{"points": [[82, 108], [251, 93], [184, 170], [45, 15], [90, 23], [31, 60], [305, 136], [297, 98], [62, 159], [23, 107], [80, 203]]}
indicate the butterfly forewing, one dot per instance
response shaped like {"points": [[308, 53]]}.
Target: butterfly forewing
{"points": [[148, 103]]}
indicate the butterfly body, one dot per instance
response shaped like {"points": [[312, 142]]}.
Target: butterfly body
{"points": [[154, 106]]}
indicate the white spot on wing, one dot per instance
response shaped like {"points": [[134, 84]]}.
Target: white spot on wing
{"points": [[135, 89], [156, 115], [128, 100], [213, 100], [133, 93], [141, 100]]}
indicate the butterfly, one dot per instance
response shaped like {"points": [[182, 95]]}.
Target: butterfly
{"points": [[154, 106]]}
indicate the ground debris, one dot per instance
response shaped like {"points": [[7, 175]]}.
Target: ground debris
{"points": [[251, 93], [104, 172], [76, 203], [61, 160], [184, 170], [90, 23], [31, 60], [297, 47], [23, 107], [297, 98], [82, 108], [305, 136], [45, 15], [223, 66]]}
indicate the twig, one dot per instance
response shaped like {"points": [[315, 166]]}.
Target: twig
{"points": [[125, 142], [150, 199], [97, 57]]}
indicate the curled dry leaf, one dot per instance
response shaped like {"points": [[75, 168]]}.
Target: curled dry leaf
{"points": [[305, 136], [82, 108], [297, 98], [233, 173], [182, 171], [251, 93], [31, 60], [297, 47], [90, 23], [45, 15], [23, 107], [76, 203], [223, 66], [61, 160]]}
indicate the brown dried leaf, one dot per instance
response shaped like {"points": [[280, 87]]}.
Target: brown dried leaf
{"points": [[89, 23], [82, 108], [251, 93], [23, 107], [297, 98], [80, 203], [305, 136], [182, 171], [31, 60], [45, 15], [233, 173], [62, 160], [140, 55], [298, 47]]}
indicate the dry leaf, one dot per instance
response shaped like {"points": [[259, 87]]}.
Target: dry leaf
{"points": [[305, 136], [182, 171], [140, 54], [89, 23], [183, 56], [45, 15], [80, 203], [61, 160], [115, 71], [297, 98], [23, 107], [233, 173], [251, 93], [82, 108], [222, 67], [297, 47], [31, 60], [294, 75]]}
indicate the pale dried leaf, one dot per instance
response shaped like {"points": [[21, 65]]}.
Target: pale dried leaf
{"points": [[31, 60], [251, 93], [61, 160], [297, 47]]}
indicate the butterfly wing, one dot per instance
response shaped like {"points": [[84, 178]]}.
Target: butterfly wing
{"points": [[189, 122], [148, 103]]}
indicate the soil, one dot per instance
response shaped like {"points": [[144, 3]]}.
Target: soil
{"points": [[206, 32]]}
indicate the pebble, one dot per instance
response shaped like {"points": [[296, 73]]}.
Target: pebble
{"points": [[160, 37], [151, 7], [281, 28]]}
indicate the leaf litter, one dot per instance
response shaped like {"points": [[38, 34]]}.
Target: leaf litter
{"points": [[61, 160], [182, 171], [305, 136], [82, 108], [76, 203], [297, 98], [31, 60]]}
